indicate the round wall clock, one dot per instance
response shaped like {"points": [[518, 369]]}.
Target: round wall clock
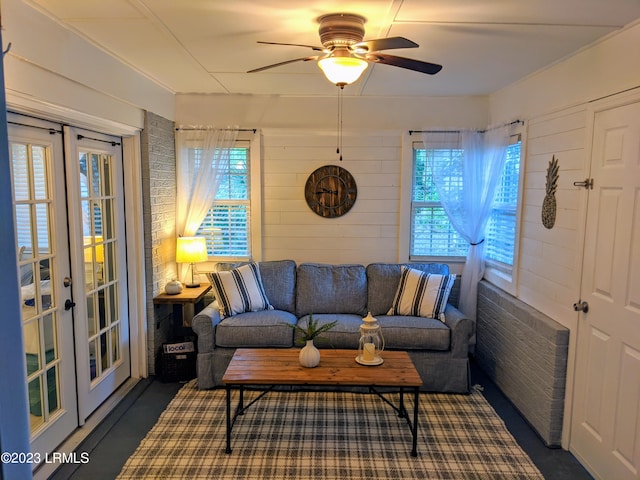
{"points": [[330, 191]]}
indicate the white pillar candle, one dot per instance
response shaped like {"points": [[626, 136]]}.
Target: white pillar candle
{"points": [[369, 352]]}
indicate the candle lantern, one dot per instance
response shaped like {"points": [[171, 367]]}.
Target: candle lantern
{"points": [[371, 342]]}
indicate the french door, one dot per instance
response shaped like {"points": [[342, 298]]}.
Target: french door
{"points": [[69, 210], [95, 195], [43, 258]]}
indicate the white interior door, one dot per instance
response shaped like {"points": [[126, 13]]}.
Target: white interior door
{"points": [[37, 165], [97, 233], [605, 426]]}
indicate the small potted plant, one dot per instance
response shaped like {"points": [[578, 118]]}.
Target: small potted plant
{"points": [[310, 355]]}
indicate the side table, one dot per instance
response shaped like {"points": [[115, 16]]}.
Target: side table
{"points": [[184, 305]]}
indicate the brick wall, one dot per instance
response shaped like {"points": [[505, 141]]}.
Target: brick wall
{"points": [[159, 206], [525, 353]]}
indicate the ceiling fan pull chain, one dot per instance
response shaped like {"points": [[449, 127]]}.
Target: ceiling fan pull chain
{"points": [[340, 100], [338, 136], [339, 139]]}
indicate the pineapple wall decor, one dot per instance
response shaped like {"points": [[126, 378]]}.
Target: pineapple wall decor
{"points": [[549, 203]]}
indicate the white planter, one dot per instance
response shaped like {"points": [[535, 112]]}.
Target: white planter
{"points": [[309, 355]]}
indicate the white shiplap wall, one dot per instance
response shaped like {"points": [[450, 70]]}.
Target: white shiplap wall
{"points": [[367, 233], [298, 135], [550, 258]]}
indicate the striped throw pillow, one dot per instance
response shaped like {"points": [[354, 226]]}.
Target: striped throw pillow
{"points": [[422, 294], [239, 290]]}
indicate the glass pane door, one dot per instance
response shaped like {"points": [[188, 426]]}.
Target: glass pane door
{"points": [[32, 203], [97, 228], [99, 246], [43, 259]]}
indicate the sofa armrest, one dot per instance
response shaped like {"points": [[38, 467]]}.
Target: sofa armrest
{"points": [[462, 329], [204, 326]]}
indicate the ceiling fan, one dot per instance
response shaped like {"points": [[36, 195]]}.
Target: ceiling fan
{"points": [[345, 55]]}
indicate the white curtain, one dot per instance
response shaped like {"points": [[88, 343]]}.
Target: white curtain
{"points": [[198, 175], [466, 185]]}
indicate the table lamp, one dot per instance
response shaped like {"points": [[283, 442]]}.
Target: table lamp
{"points": [[191, 250]]}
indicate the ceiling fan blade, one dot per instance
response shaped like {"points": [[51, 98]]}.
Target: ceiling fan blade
{"points": [[312, 47], [302, 59], [408, 63], [384, 44]]}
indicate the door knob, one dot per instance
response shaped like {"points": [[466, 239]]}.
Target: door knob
{"points": [[69, 304], [581, 306]]}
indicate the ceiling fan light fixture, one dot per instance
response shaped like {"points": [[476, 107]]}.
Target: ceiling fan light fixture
{"points": [[342, 70]]}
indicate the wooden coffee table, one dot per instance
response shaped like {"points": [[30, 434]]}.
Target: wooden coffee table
{"points": [[279, 366]]}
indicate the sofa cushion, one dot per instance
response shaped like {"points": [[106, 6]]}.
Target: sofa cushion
{"points": [[422, 294], [256, 329], [345, 334], [239, 290], [324, 288], [279, 282], [383, 280], [414, 333]]}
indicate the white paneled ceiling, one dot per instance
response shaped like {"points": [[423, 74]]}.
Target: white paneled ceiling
{"points": [[207, 46]]}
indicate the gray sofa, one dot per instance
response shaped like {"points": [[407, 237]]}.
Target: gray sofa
{"points": [[344, 293]]}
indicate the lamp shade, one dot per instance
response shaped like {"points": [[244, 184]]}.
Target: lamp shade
{"points": [[191, 250], [342, 70], [97, 245]]}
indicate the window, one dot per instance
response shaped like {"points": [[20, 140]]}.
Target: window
{"points": [[501, 228], [433, 235], [227, 225]]}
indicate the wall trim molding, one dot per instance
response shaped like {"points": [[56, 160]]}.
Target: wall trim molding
{"points": [[23, 103]]}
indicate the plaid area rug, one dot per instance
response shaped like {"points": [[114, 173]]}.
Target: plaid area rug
{"points": [[328, 435]]}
